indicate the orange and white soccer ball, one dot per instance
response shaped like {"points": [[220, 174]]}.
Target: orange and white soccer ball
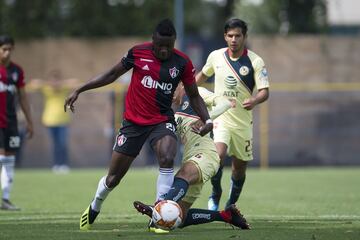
{"points": [[167, 215]]}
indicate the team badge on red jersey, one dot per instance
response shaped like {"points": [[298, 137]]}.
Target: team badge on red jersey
{"points": [[173, 72], [121, 140], [15, 76]]}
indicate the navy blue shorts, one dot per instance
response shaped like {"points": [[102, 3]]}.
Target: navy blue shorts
{"points": [[131, 137]]}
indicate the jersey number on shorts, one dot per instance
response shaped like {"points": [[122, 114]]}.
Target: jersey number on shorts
{"points": [[14, 141], [171, 127], [248, 146]]}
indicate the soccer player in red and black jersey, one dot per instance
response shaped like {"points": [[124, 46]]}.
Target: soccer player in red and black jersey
{"points": [[11, 84], [157, 69]]}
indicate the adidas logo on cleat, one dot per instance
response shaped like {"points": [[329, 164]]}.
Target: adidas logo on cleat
{"points": [[87, 218]]}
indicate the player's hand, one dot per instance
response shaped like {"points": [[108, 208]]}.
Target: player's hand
{"points": [[249, 103], [200, 128], [233, 103], [70, 100], [29, 131]]}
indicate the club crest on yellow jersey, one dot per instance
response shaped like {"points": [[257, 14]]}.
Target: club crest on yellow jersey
{"points": [[244, 70]]}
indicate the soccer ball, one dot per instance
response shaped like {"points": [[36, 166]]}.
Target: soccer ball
{"points": [[167, 215]]}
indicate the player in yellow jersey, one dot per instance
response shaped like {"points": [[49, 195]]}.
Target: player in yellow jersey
{"points": [[238, 72], [200, 163]]}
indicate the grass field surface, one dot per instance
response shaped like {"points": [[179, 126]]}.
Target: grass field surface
{"points": [[286, 203]]}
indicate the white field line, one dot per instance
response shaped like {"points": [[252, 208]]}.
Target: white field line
{"points": [[105, 217], [305, 217], [48, 216]]}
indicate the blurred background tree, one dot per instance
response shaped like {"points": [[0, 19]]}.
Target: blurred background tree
{"points": [[104, 18], [107, 18], [283, 16]]}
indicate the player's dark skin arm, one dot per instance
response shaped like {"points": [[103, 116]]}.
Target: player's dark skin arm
{"points": [[99, 81], [198, 104]]}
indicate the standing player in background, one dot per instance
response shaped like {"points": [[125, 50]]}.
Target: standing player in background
{"points": [[12, 84], [157, 70], [200, 163], [238, 71]]}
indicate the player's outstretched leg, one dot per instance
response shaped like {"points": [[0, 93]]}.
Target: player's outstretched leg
{"points": [[230, 215], [88, 218]]}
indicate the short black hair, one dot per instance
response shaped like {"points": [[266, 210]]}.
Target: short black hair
{"points": [[236, 23], [165, 28], [6, 39]]}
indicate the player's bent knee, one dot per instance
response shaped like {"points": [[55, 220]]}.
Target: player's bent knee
{"points": [[189, 172], [166, 161]]}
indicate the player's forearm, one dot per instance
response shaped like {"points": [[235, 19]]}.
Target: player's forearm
{"points": [[222, 105], [99, 81], [262, 95], [104, 79]]}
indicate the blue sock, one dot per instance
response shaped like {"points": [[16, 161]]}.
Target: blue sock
{"points": [[216, 183], [236, 187], [177, 190]]}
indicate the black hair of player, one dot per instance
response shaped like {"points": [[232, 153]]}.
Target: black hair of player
{"points": [[5, 39], [165, 28], [236, 23]]}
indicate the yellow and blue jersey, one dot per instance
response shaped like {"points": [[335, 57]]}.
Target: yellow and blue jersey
{"points": [[236, 79]]}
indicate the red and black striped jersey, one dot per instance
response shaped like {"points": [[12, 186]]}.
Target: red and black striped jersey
{"points": [[153, 82], [11, 79]]}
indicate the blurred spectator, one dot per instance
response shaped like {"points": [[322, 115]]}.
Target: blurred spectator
{"points": [[54, 118]]}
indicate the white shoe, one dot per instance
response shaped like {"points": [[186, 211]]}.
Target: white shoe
{"points": [[212, 205], [61, 169], [64, 169], [55, 168]]}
